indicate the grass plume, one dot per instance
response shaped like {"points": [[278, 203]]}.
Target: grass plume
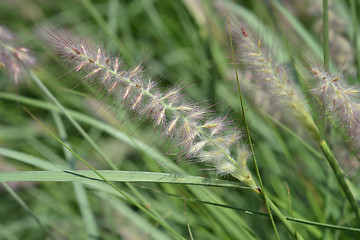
{"points": [[202, 135], [282, 89], [275, 78], [341, 102], [12, 57]]}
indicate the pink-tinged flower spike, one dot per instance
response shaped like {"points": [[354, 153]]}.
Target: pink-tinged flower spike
{"points": [[281, 87], [276, 80], [341, 102], [13, 58], [202, 136]]}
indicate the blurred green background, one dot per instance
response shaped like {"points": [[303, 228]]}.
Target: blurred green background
{"points": [[181, 43]]}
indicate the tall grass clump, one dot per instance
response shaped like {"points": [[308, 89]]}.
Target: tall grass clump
{"points": [[102, 150], [203, 136], [282, 89]]}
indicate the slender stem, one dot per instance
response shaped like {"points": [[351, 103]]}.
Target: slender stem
{"points": [[252, 212], [326, 56], [27, 209], [71, 119], [326, 34], [76, 125], [82, 199], [353, 7], [325, 148], [128, 197], [249, 138], [340, 178], [283, 219]]}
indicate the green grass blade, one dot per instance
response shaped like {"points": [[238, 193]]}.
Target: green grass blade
{"points": [[128, 197], [76, 125], [26, 208], [31, 160], [116, 176], [79, 189]]}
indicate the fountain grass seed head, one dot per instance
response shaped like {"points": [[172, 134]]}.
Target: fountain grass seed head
{"points": [[13, 58], [203, 136], [275, 78], [341, 102]]}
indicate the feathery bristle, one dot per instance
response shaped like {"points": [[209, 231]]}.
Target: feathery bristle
{"points": [[14, 58], [340, 100], [276, 80], [211, 141]]}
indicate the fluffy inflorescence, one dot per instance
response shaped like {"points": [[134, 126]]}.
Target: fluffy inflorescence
{"points": [[209, 139], [12, 58], [275, 78], [341, 102]]}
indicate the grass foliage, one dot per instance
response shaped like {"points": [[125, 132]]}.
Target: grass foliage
{"points": [[134, 129]]}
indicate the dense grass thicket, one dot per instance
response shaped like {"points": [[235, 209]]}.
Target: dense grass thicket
{"points": [[154, 119]]}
